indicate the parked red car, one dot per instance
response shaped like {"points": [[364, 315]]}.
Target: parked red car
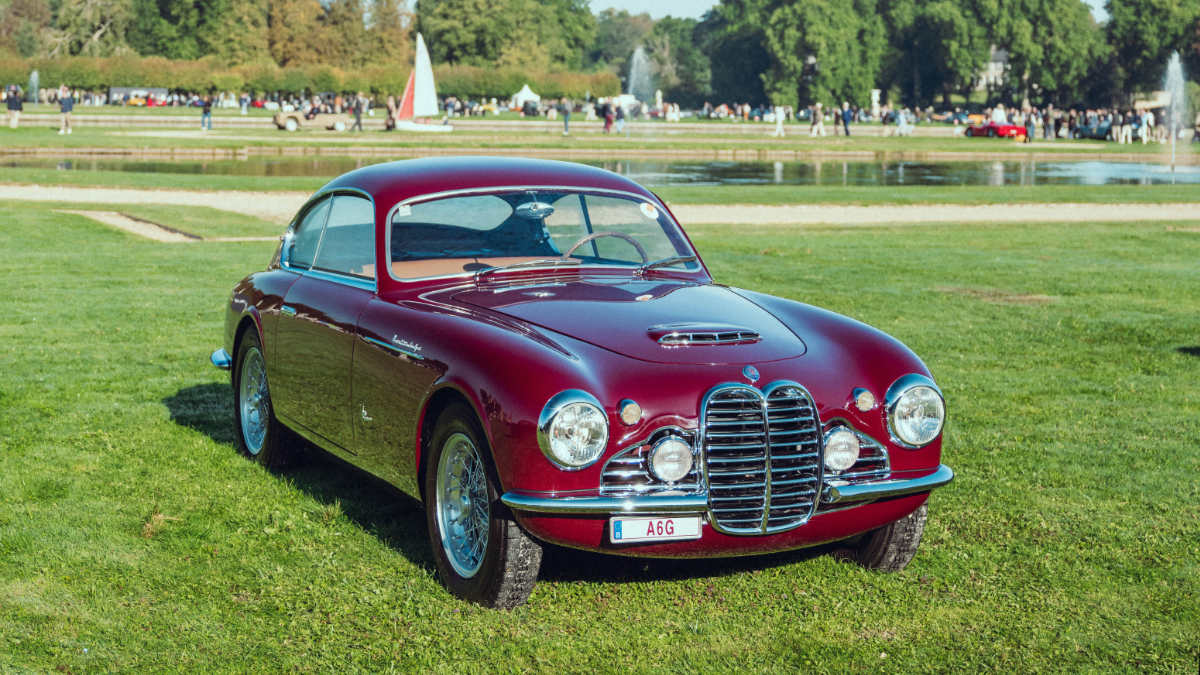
{"points": [[536, 351], [993, 130]]}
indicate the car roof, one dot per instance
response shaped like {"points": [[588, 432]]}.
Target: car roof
{"points": [[392, 182]]}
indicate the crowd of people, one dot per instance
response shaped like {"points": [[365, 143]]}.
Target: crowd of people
{"points": [[1143, 124]]}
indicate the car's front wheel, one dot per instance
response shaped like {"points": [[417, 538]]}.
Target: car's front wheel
{"points": [[259, 434], [481, 553], [891, 547]]}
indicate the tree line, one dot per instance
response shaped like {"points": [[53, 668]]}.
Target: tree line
{"points": [[788, 52]]}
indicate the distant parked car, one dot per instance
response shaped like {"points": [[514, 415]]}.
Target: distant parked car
{"points": [[535, 350], [292, 121], [994, 130]]}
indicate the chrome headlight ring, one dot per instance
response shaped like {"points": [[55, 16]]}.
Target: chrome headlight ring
{"points": [[577, 442], [903, 390]]}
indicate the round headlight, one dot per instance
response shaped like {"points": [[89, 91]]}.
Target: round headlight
{"points": [[841, 449], [671, 459], [573, 430], [917, 413]]}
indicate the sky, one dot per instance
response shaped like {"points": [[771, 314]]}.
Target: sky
{"points": [[696, 8]]}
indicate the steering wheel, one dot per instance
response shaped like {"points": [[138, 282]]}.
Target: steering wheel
{"points": [[597, 235]]}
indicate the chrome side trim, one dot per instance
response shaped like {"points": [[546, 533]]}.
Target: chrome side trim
{"points": [[599, 506], [834, 494], [394, 348], [220, 358]]}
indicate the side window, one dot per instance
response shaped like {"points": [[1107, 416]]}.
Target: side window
{"points": [[306, 236], [348, 246]]}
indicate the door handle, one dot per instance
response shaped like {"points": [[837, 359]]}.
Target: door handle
{"points": [[287, 310]]}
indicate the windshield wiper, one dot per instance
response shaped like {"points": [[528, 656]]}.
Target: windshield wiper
{"points": [[666, 262], [527, 263]]}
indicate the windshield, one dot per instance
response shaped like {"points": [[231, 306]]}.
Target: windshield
{"points": [[472, 233]]}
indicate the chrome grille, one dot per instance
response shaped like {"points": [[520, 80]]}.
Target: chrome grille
{"points": [[762, 457]]}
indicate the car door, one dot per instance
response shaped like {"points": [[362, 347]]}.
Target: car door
{"points": [[315, 336]]}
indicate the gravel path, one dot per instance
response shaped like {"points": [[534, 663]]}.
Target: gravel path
{"points": [[279, 207]]}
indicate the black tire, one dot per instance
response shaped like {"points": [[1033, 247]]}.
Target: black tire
{"points": [[271, 450], [991, 132], [891, 547], [970, 132], [507, 569]]}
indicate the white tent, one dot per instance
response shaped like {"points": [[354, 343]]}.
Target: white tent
{"points": [[526, 94]]}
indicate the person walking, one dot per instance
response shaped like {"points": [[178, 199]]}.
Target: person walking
{"points": [[818, 120], [606, 112], [206, 114], [620, 118], [13, 102], [66, 104], [1030, 126], [358, 111], [564, 106], [779, 115], [847, 116]]}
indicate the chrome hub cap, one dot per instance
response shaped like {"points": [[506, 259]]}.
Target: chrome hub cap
{"points": [[254, 401], [462, 505]]}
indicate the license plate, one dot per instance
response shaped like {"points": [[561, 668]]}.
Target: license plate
{"points": [[622, 530]]}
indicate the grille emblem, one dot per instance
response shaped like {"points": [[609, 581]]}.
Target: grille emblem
{"points": [[751, 373]]}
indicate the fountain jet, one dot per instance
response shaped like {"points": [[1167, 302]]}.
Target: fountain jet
{"points": [[1177, 108]]}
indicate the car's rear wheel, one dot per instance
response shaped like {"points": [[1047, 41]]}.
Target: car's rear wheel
{"points": [[970, 132], [291, 124], [481, 553], [339, 126], [891, 547], [991, 132], [259, 434]]}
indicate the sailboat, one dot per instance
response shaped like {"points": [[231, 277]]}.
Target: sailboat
{"points": [[420, 95]]}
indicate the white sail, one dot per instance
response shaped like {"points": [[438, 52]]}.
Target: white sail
{"points": [[425, 103]]}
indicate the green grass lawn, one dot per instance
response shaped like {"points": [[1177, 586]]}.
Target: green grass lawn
{"points": [[133, 536]]}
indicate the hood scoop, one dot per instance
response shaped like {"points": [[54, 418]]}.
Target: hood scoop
{"points": [[701, 334]]}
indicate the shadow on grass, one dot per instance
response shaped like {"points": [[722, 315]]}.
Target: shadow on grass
{"points": [[1189, 351], [398, 520], [373, 504]]}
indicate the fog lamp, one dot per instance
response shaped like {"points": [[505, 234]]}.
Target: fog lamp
{"points": [[670, 459], [841, 449]]}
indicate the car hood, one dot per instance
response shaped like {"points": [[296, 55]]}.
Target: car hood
{"points": [[665, 321]]}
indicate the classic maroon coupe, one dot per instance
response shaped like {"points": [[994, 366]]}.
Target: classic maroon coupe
{"points": [[535, 350]]}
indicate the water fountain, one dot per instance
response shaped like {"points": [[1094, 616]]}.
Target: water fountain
{"points": [[31, 94], [1177, 108], [640, 83]]}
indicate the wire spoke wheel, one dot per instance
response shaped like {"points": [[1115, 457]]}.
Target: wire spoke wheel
{"points": [[254, 401], [463, 511]]}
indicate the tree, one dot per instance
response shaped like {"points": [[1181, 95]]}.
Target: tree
{"points": [[237, 31], [618, 34], [731, 37], [937, 48], [292, 27], [485, 32], [1052, 45], [1143, 34], [92, 27], [823, 50], [23, 24], [682, 70], [389, 27]]}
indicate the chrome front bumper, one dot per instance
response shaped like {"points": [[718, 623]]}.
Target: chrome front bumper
{"points": [[220, 359], [832, 494]]}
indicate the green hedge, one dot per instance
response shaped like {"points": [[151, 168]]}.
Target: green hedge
{"points": [[208, 74]]}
